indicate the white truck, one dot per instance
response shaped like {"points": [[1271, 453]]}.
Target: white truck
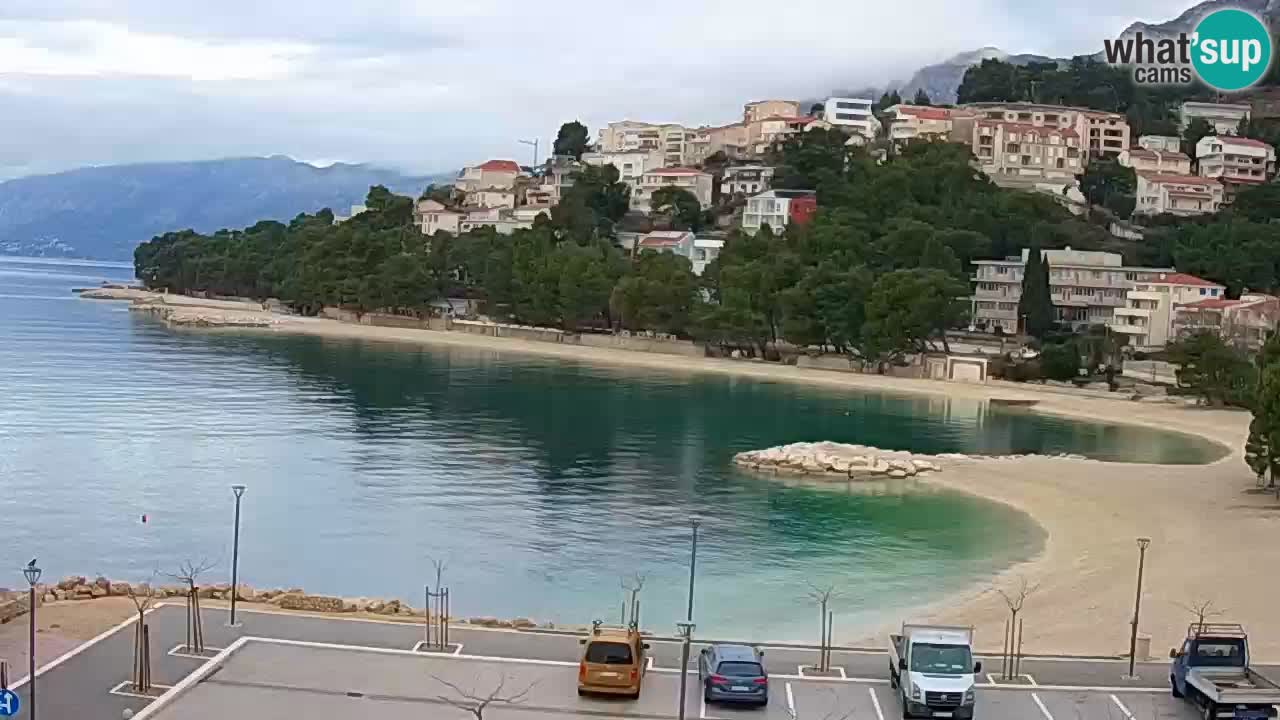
{"points": [[1211, 669], [933, 670]]}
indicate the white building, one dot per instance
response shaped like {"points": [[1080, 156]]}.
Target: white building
{"points": [[705, 250], [503, 220], [1085, 287], [852, 115], [1235, 159], [1247, 322], [1162, 143], [912, 122], [431, 216], [668, 138], [494, 174], [1156, 161], [1148, 315], [355, 210], [1017, 152], [1160, 193], [631, 164], [746, 180], [695, 181], [775, 209], [699, 251], [492, 198], [1224, 118]]}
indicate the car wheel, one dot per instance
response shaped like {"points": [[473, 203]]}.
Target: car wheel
{"points": [[1173, 687], [1210, 711]]}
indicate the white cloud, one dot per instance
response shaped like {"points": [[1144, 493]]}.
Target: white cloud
{"points": [[428, 85]]}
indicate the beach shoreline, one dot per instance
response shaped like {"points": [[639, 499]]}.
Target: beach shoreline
{"points": [[1210, 533]]}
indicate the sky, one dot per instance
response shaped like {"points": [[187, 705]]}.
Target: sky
{"points": [[432, 85]]}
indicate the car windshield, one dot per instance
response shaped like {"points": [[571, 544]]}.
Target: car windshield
{"points": [[609, 653], [941, 659], [1220, 653], [740, 669]]}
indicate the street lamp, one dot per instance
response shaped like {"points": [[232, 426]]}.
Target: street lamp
{"points": [[534, 143], [693, 563], [1143, 542], [32, 574], [235, 554], [685, 630]]}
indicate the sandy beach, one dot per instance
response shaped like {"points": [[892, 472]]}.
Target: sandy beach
{"points": [[1213, 535]]}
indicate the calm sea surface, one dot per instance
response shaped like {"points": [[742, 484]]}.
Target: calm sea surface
{"points": [[540, 483]]}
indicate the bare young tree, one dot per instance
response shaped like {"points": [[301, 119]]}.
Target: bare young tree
{"points": [[1202, 608], [822, 596], [188, 573], [632, 587], [1015, 598], [143, 596], [476, 701]]}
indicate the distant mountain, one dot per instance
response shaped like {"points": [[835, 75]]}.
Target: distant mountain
{"points": [[941, 81], [103, 212], [1187, 21]]}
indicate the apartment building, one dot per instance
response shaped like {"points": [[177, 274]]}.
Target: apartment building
{"points": [[1014, 152], [1156, 161], [1160, 193], [1235, 161], [1246, 322], [494, 174], [631, 164], [761, 109], [911, 122], [1086, 287], [691, 179], [1224, 118], [1160, 143], [746, 180], [1100, 134], [669, 138], [732, 140], [1107, 134], [853, 115], [1148, 314], [705, 250], [491, 198], [432, 216], [503, 220], [762, 134], [778, 209]]}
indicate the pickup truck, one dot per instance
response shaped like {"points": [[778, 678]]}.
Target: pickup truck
{"points": [[1211, 669], [932, 667]]}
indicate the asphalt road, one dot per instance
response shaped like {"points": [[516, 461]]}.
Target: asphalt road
{"points": [[80, 686]]}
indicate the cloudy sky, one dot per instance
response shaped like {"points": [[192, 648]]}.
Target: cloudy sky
{"points": [[429, 85]]}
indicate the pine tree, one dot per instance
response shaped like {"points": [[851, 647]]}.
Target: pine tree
{"points": [[1257, 448], [1035, 307], [921, 98]]}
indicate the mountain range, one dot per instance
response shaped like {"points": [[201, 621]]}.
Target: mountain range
{"points": [[942, 80], [101, 213]]}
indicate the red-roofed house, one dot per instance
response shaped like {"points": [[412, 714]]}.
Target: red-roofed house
{"points": [[492, 175], [691, 179], [679, 242], [1176, 194], [1148, 315], [1144, 160], [1019, 152], [1235, 160], [1247, 321], [909, 122]]}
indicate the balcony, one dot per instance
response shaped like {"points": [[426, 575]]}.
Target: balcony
{"points": [[1124, 328], [1133, 312]]}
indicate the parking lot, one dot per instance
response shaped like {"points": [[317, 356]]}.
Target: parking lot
{"points": [[286, 665]]}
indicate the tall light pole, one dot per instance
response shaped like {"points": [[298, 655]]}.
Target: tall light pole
{"points": [[693, 564], [1137, 603], [685, 629], [534, 143], [32, 574], [235, 554]]}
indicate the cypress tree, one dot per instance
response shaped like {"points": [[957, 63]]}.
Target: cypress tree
{"points": [[1035, 307]]}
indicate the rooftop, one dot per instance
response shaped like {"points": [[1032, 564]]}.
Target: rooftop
{"points": [[1178, 278], [786, 194], [1028, 127], [1211, 304], [1175, 179], [1238, 141], [1158, 154], [500, 166], [923, 112]]}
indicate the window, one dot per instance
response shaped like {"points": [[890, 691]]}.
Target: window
{"points": [[740, 669], [1214, 292], [609, 653], [1203, 291], [941, 659], [1001, 270]]}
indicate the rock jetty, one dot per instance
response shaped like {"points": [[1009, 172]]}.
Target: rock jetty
{"points": [[207, 317], [837, 460]]}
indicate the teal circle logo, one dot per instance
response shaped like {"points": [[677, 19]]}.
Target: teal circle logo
{"points": [[1231, 49]]}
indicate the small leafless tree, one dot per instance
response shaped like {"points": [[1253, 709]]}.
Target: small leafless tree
{"points": [[1202, 608], [632, 587], [142, 595], [1015, 598], [440, 566], [476, 701], [188, 573], [822, 596]]}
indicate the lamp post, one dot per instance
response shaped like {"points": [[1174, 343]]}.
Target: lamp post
{"points": [[1143, 542], [534, 143], [693, 563], [685, 630], [32, 574], [235, 554]]}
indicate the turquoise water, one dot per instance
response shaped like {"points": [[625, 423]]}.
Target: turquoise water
{"points": [[541, 483]]}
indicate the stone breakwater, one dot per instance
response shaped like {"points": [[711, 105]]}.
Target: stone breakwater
{"points": [[837, 460], [200, 316], [80, 588]]}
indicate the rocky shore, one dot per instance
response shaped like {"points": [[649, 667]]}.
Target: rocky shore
{"points": [[205, 317], [837, 461], [80, 588]]}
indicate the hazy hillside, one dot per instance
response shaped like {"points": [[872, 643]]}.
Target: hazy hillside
{"points": [[103, 212]]}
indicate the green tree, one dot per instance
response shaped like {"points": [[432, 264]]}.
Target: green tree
{"points": [[572, 140], [1108, 183], [1035, 306], [1257, 449], [1216, 372], [680, 205], [807, 160], [658, 295], [1195, 130], [1060, 361], [907, 310], [583, 293], [817, 110], [921, 98], [888, 100]]}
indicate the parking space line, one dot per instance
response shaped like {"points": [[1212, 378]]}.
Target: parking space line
{"points": [[791, 702], [648, 663], [1120, 705], [458, 651], [875, 702], [14, 685], [177, 651], [120, 690], [1043, 710], [702, 705], [1030, 679]]}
